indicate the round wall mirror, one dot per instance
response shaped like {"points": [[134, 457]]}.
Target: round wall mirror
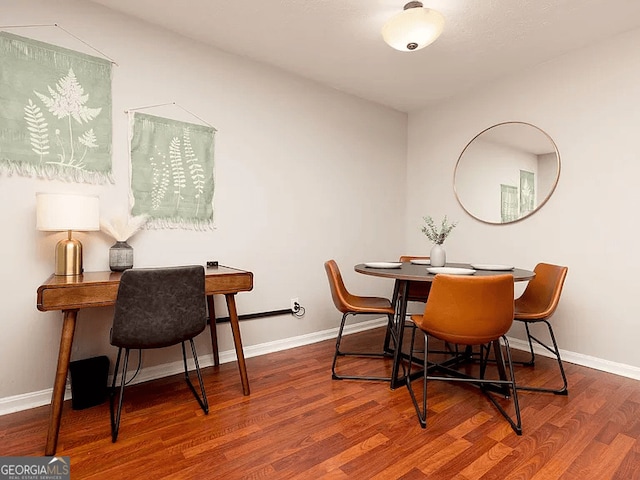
{"points": [[506, 172]]}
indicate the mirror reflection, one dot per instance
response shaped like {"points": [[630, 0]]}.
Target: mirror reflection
{"points": [[506, 172]]}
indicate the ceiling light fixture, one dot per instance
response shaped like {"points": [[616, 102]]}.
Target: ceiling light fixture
{"points": [[414, 28]]}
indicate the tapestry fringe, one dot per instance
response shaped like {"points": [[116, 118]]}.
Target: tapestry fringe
{"points": [[183, 223], [55, 172]]}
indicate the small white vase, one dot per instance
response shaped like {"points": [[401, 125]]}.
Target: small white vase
{"points": [[438, 256]]}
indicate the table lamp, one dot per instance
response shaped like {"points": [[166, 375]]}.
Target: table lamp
{"points": [[58, 212]]}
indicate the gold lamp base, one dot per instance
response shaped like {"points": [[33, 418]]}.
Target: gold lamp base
{"points": [[69, 256]]}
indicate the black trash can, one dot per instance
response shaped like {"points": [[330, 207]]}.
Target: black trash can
{"points": [[89, 379]]}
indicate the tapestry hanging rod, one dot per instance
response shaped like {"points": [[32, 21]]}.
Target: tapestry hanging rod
{"points": [[65, 31], [146, 107]]}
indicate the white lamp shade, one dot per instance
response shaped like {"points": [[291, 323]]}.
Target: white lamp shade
{"points": [[413, 29], [56, 212]]}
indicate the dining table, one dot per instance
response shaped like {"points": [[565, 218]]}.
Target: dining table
{"points": [[404, 273]]}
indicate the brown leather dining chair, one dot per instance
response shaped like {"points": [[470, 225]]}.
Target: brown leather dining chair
{"points": [[417, 291], [349, 304], [537, 304], [469, 311]]}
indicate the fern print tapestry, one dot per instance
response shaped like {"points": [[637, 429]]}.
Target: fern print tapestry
{"points": [[55, 112], [172, 172]]}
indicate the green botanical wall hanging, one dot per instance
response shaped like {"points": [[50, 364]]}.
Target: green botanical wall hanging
{"points": [[55, 112], [527, 192], [508, 203], [172, 172]]}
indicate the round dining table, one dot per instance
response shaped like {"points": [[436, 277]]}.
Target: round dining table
{"points": [[406, 272]]}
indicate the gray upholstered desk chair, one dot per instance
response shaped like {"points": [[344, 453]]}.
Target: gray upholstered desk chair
{"points": [[155, 308]]}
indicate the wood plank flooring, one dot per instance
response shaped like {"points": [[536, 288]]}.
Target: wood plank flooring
{"points": [[298, 423]]}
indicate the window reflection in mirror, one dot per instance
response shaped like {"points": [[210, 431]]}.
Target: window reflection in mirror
{"points": [[506, 172]]}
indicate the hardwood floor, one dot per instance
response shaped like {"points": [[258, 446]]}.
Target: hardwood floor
{"points": [[298, 423]]}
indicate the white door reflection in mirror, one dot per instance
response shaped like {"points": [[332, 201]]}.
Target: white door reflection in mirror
{"points": [[506, 172]]}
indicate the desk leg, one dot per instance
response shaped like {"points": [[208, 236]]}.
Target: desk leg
{"points": [[235, 328], [401, 313], [212, 328], [60, 382]]}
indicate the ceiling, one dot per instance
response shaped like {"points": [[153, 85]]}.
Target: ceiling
{"points": [[338, 42]]}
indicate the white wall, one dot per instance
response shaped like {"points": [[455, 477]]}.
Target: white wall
{"points": [[589, 103], [304, 173]]}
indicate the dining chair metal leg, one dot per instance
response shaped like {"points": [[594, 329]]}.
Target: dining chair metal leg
{"points": [[202, 398], [553, 350], [115, 419], [484, 384], [389, 332], [511, 382], [420, 412], [340, 353], [485, 350], [532, 360]]}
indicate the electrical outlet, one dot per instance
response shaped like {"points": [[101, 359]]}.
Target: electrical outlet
{"points": [[295, 304]]}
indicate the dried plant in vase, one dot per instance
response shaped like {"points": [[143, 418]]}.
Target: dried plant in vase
{"points": [[121, 253], [437, 236]]}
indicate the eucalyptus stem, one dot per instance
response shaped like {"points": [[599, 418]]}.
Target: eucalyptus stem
{"points": [[437, 235]]}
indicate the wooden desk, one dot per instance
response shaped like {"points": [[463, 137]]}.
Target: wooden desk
{"points": [[99, 289]]}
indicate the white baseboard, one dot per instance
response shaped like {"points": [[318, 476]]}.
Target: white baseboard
{"points": [[26, 401], [621, 369]]}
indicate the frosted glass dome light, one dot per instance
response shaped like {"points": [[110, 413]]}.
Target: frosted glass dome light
{"points": [[413, 28]]}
